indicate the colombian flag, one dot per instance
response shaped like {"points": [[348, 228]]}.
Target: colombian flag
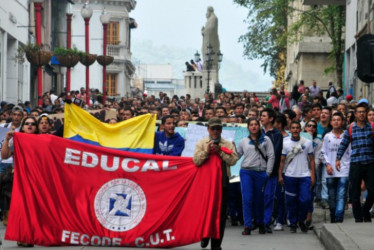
{"points": [[135, 135]]}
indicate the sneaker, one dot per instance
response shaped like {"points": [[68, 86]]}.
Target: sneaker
{"points": [[204, 242], [268, 229], [293, 228], [278, 227], [303, 227], [261, 228], [247, 231], [366, 216]]}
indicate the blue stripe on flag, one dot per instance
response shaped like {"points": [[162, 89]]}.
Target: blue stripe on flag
{"points": [[79, 138]]}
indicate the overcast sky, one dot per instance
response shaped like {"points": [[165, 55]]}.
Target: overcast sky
{"points": [[176, 24]]}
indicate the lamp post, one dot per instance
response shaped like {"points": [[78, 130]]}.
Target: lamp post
{"points": [[86, 13], [38, 27], [210, 56], [69, 15], [104, 18]]}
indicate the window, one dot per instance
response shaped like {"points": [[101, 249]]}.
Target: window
{"points": [[113, 33], [111, 84]]}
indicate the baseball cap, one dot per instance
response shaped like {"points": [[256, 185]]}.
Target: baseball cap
{"points": [[215, 121], [349, 97], [17, 108], [363, 100]]}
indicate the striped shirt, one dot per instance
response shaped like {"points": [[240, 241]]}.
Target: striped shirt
{"points": [[362, 144]]}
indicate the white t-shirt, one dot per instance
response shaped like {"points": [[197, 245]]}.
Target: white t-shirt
{"points": [[330, 148], [299, 166]]}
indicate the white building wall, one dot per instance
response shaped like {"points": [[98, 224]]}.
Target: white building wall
{"points": [[359, 21], [161, 76], [351, 86], [14, 27]]}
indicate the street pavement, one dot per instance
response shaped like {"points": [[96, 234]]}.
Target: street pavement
{"points": [[347, 236], [233, 240], [344, 236]]}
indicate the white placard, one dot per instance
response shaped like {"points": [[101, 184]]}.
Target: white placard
{"points": [[196, 133]]}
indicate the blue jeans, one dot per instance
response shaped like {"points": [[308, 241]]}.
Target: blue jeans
{"points": [[298, 192], [337, 187], [321, 185], [253, 187], [271, 186]]}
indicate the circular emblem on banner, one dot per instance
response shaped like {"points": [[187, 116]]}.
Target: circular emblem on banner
{"points": [[120, 205]]}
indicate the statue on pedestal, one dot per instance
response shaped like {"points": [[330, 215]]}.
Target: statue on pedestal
{"points": [[210, 38]]}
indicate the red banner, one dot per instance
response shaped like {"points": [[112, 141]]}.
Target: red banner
{"points": [[70, 193]]}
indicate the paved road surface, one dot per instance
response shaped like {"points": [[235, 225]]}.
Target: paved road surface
{"points": [[233, 241]]}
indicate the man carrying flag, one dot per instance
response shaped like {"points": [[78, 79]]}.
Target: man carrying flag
{"points": [[214, 144]]}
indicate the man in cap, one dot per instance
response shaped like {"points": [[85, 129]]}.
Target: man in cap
{"points": [[214, 144], [16, 115]]}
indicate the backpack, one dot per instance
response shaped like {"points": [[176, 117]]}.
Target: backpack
{"points": [[350, 131]]}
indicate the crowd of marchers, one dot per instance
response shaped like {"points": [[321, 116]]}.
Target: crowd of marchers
{"points": [[283, 174]]}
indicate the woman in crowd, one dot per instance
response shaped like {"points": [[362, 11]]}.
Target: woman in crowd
{"points": [[311, 128], [371, 115], [258, 160], [274, 99], [44, 124], [350, 117], [28, 126]]}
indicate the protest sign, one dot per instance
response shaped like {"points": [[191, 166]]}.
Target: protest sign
{"points": [[196, 133]]}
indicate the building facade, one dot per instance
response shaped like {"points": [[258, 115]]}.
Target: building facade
{"points": [[120, 72], [14, 74], [359, 21], [308, 57], [155, 78]]}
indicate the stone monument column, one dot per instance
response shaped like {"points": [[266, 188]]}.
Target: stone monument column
{"points": [[210, 45]]}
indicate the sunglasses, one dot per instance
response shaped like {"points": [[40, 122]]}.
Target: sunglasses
{"points": [[312, 126], [216, 128], [30, 123]]}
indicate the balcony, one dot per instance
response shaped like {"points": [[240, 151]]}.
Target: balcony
{"points": [[117, 51], [324, 2]]}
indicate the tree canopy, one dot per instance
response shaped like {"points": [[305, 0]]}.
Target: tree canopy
{"points": [[269, 32]]}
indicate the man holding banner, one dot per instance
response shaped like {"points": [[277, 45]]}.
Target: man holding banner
{"points": [[214, 144]]}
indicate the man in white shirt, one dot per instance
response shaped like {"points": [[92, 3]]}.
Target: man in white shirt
{"points": [[299, 176], [337, 180]]}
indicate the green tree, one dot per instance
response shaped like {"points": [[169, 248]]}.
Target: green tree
{"points": [[269, 32], [266, 37]]}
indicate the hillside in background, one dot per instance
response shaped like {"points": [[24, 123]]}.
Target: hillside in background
{"points": [[232, 76]]}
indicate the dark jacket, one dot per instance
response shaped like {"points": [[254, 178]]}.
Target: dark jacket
{"points": [[168, 146], [276, 138]]}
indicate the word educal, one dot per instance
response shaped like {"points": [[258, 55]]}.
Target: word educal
{"points": [[91, 160]]}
